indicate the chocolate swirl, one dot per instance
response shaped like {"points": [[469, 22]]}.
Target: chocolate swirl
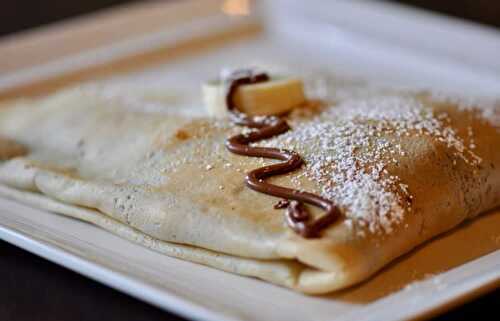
{"points": [[297, 216]]}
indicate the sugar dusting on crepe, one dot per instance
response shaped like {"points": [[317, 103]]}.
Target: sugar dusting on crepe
{"points": [[359, 181], [486, 108]]}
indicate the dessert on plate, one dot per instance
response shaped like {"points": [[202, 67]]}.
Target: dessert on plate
{"points": [[311, 193]]}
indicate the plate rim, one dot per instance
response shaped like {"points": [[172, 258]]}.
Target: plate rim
{"points": [[176, 304]]}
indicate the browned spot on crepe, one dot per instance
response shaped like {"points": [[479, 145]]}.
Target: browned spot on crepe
{"points": [[10, 149], [182, 134], [187, 130]]}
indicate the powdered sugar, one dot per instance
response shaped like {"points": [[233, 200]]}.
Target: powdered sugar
{"points": [[486, 108], [349, 147]]}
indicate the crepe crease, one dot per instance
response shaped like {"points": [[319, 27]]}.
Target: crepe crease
{"points": [[166, 182]]}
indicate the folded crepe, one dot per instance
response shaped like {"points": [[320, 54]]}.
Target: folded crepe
{"points": [[402, 166]]}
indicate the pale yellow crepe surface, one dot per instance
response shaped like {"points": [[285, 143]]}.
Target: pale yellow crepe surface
{"points": [[404, 167]]}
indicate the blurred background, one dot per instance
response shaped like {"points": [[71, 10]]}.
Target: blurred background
{"points": [[29, 282], [17, 15]]}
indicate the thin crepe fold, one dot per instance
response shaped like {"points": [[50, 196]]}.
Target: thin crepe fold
{"points": [[165, 181]]}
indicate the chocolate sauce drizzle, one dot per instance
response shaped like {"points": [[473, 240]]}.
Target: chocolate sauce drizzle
{"points": [[297, 216]]}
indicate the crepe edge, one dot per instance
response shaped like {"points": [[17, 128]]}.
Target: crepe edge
{"points": [[287, 273]]}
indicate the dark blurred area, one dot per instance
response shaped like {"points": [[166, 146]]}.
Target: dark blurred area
{"points": [[17, 15], [482, 11], [33, 287]]}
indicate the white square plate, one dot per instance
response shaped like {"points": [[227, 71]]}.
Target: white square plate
{"points": [[351, 38]]}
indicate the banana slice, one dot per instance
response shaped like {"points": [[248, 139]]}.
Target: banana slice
{"points": [[272, 97]]}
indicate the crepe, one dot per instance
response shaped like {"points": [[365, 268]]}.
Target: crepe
{"points": [[402, 166]]}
